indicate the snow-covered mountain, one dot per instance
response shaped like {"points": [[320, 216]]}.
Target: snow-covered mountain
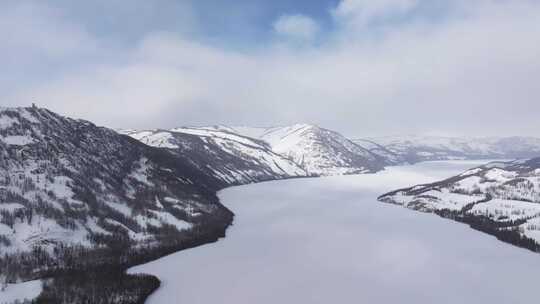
{"points": [[500, 198], [73, 194], [319, 151], [412, 149], [390, 157], [242, 154], [219, 152], [247, 154]]}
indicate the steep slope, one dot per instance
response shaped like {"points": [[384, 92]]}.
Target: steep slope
{"points": [[500, 198], [253, 132], [217, 151], [320, 151], [77, 196], [245, 154], [412, 149], [390, 157]]}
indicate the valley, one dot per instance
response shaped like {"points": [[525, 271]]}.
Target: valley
{"points": [[80, 204], [327, 240], [255, 151]]}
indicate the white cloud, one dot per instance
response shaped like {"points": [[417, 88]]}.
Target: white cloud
{"points": [[472, 74], [361, 12], [296, 27], [31, 27]]}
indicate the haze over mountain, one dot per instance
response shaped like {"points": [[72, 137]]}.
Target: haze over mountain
{"points": [[412, 149]]}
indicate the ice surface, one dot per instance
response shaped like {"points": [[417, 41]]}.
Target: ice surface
{"points": [[328, 240], [19, 292]]}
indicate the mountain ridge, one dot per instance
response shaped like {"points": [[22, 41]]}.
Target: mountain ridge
{"points": [[315, 150], [417, 148], [75, 196], [231, 158]]}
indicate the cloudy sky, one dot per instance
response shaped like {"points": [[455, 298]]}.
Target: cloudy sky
{"points": [[363, 67]]}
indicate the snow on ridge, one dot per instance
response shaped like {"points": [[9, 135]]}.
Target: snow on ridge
{"points": [[253, 132], [304, 144], [471, 171], [320, 151], [317, 151], [499, 196], [507, 210], [284, 138], [7, 121], [224, 134], [162, 139], [245, 159], [21, 111], [500, 175]]}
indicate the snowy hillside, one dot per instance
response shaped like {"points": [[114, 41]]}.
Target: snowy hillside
{"points": [[390, 157], [412, 149], [241, 154], [500, 198], [73, 194], [253, 132], [246, 154], [217, 151], [319, 151]]}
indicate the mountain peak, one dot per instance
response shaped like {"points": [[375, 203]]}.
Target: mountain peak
{"points": [[321, 151]]}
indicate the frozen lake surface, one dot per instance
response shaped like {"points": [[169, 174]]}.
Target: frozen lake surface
{"points": [[327, 240]]}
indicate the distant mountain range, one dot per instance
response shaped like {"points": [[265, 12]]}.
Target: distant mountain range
{"points": [[316, 151], [271, 153], [413, 149], [75, 196]]}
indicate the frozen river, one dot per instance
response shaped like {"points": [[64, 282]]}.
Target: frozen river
{"points": [[328, 240]]}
